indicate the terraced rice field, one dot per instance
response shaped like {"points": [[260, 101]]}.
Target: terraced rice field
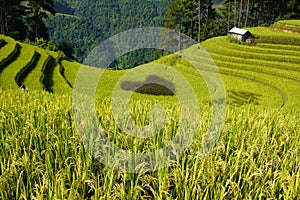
{"points": [[37, 69], [272, 71], [267, 74], [292, 26]]}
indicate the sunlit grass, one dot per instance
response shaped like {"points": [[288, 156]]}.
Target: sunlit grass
{"points": [[288, 25], [42, 155], [8, 48], [32, 80], [7, 76]]}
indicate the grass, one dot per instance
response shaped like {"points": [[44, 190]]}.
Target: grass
{"points": [[43, 157], [9, 51], [32, 80], [268, 35], [288, 26], [7, 48]]}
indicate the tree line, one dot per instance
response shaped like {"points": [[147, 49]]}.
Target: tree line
{"points": [[195, 18], [200, 20], [24, 19], [242, 13], [89, 22]]}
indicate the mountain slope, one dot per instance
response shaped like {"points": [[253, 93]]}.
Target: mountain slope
{"points": [[97, 20], [266, 74], [33, 67]]}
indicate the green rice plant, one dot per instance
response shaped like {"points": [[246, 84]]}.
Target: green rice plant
{"points": [[279, 46], [287, 25], [9, 51], [59, 84], [287, 70], [292, 50], [42, 156], [47, 74], [2, 43], [211, 45], [294, 22], [268, 35], [8, 48], [256, 157]]}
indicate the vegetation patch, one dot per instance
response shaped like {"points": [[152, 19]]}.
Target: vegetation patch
{"points": [[11, 57], [2, 43], [288, 26], [268, 35], [258, 146], [21, 75], [47, 73], [153, 85]]}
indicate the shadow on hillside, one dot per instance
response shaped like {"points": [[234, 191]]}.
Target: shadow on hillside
{"points": [[153, 85], [240, 98]]}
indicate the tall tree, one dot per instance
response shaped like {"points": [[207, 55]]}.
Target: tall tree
{"points": [[174, 18], [183, 15], [228, 13], [199, 21], [247, 13], [234, 18], [240, 13]]}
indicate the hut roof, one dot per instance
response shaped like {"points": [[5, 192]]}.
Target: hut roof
{"points": [[238, 31]]}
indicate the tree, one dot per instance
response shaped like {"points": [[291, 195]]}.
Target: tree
{"points": [[241, 14], [261, 12], [247, 13], [186, 16], [234, 24], [174, 18], [66, 48], [11, 19], [35, 12], [20, 19], [199, 21]]}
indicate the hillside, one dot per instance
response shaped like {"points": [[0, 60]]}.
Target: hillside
{"points": [[95, 21], [37, 69], [266, 74]]}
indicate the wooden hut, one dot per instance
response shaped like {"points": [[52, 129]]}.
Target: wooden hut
{"points": [[241, 34]]}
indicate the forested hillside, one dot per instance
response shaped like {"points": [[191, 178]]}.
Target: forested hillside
{"points": [[84, 24], [242, 13], [24, 19], [89, 22]]}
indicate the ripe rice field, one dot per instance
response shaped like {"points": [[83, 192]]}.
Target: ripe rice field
{"points": [[255, 157]]}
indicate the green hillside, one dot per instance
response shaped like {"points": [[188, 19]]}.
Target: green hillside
{"points": [[266, 74], [94, 21], [37, 69]]}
